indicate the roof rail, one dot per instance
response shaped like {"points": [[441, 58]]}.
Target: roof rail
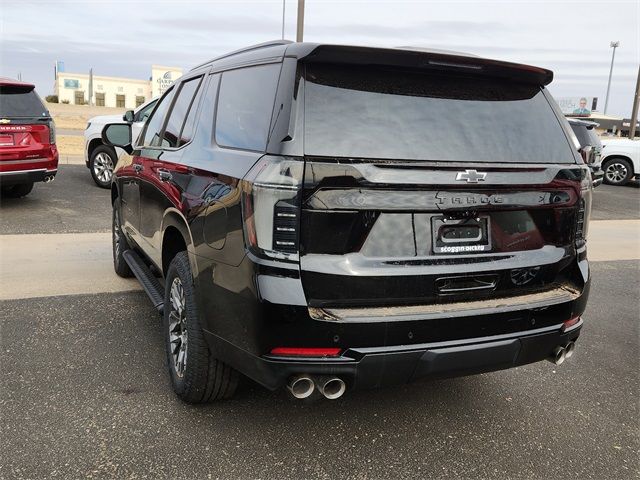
{"points": [[271, 43]]}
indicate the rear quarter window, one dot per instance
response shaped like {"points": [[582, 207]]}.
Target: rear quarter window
{"points": [[19, 102], [245, 104]]}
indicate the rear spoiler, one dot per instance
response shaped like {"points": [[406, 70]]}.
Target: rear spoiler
{"points": [[419, 60]]}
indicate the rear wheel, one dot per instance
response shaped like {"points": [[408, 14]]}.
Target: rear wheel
{"points": [[119, 244], [17, 191], [196, 375], [617, 171], [101, 164]]}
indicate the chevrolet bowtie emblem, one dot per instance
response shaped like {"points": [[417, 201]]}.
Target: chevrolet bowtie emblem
{"points": [[471, 176], [4, 121]]}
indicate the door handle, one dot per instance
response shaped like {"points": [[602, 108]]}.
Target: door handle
{"points": [[138, 167], [164, 175]]}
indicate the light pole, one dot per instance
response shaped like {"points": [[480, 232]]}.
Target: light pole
{"points": [[613, 45]]}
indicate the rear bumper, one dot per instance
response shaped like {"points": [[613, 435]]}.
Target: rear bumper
{"points": [[26, 176], [363, 368]]}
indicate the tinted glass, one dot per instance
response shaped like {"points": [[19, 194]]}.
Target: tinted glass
{"points": [[18, 102], [582, 134], [179, 112], [245, 104], [190, 123], [142, 115], [385, 113], [154, 125]]}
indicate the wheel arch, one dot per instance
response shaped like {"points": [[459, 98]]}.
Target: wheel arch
{"points": [[622, 156], [176, 237]]}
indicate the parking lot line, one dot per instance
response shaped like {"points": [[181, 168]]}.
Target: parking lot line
{"points": [[44, 265]]}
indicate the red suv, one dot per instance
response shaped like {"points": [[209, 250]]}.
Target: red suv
{"points": [[28, 150]]}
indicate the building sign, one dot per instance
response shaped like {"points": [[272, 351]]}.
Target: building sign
{"points": [[69, 83], [577, 106], [162, 78]]}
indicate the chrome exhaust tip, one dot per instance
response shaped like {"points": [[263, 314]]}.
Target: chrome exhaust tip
{"points": [[331, 387], [558, 356], [301, 386], [569, 349], [48, 179]]}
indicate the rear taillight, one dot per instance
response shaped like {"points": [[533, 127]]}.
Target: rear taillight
{"points": [[52, 132], [584, 208], [271, 207]]}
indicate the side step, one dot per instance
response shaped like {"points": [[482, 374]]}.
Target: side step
{"points": [[148, 281]]}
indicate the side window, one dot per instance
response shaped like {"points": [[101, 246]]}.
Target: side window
{"points": [[182, 107], [245, 103], [154, 125], [143, 114]]}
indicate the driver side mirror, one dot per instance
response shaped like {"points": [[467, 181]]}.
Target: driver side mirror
{"points": [[118, 135], [128, 116]]}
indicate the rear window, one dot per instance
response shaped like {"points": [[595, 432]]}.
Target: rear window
{"points": [[392, 114], [18, 102]]}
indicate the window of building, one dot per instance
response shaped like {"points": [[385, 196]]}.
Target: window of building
{"points": [[245, 104], [139, 100], [120, 101], [121, 89], [100, 87], [79, 97], [186, 101], [154, 125], [100, 99]]}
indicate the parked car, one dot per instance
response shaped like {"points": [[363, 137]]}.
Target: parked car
{"points": [[28, 152], [620, 160], [100, 158], [321, 217], [590, 147]]}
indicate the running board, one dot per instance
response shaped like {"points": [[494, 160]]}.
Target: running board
{"points": [[149, 282]]}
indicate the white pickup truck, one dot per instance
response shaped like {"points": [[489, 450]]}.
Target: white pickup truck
{"points": [[620, 160]]}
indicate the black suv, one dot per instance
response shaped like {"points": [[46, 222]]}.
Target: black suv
{"points": [[590, 147], [330, 217]]}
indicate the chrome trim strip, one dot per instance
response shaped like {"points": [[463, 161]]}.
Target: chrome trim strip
{"points": [[446, 310], [26, 160], [18, 172]]}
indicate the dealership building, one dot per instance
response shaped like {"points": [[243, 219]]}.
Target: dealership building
{"points": [[81, 89]]}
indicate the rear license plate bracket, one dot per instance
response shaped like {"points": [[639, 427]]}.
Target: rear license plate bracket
{"points": [[459, 236]]}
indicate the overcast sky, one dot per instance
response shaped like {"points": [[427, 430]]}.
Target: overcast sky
{"points": [[124, 38]]}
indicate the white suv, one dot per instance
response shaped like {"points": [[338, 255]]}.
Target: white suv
{"points": [[100, 158], [620, 160]]}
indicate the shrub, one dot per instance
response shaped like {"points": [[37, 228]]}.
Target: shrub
{"points": [[65, 102], [51, 98]]}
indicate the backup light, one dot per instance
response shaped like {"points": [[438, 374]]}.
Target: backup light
{"points": [[305, 352]]}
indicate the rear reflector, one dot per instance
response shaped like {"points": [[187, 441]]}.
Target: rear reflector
{"points": [[305, 352], [570, 324]]}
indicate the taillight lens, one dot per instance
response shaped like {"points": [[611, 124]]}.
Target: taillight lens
{"points": [[52, 132], [271, 207], [584, 208]]}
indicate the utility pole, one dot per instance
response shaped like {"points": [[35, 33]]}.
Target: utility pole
{"points": [[300, 29], [634, 111], [613, 45], [284, 4]]}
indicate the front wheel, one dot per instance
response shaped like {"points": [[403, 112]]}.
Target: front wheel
{"points": [[101, 165], [196, 375], [617, 171]]}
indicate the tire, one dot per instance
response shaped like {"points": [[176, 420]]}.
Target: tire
{"points": [[17, 191], [101, 164], [617, 171], [119, 244], [196, 375]]}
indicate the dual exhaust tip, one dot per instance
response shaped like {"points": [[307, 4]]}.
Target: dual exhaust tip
{"points": [[303, 386], [49, 178], [560, 354]]}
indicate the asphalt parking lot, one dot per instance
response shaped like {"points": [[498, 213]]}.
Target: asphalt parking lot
{"points": [[85, 394]]}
